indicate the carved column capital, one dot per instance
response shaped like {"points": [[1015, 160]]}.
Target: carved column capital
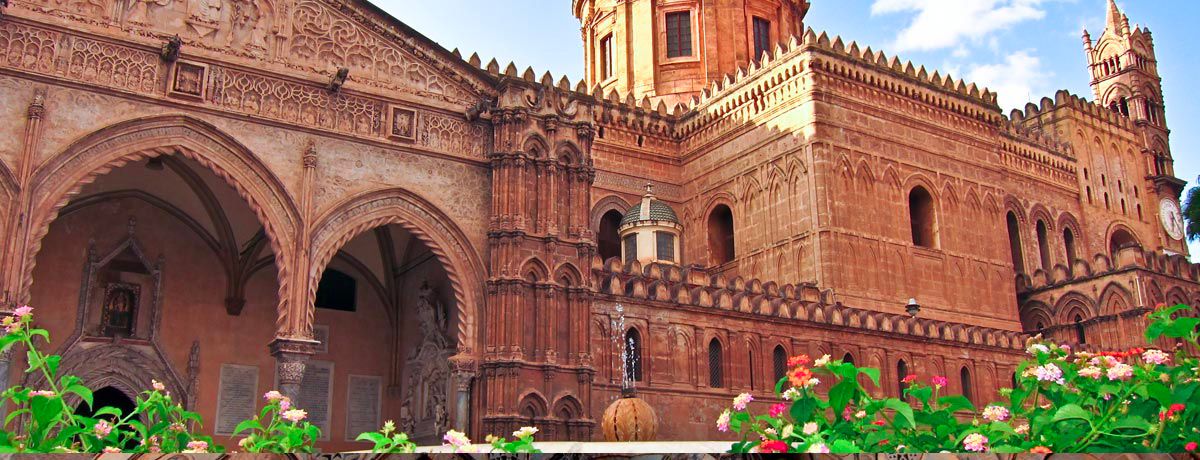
{"points": [[291, 355]]}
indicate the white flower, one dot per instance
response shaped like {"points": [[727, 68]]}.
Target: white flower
{"points": [[1037, 348], [1156, 357], [788, 431], [740, 402], [791, 394], [810, 428], [818, 448], [723, 422], [822, 361], [457, 439], [1091, 372], [1049, 372], [525, 432], [1120, 371], [812, 382]]}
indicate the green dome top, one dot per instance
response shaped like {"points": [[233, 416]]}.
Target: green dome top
{"points": [[659, 211]]}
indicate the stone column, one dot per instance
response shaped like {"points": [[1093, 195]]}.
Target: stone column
{"points": [[291, 355], [464, 375]]}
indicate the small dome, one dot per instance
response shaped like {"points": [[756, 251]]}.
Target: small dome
{"points": [[659, 211]]}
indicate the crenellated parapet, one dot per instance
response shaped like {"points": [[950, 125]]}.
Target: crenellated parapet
{"points": [[804, 304], [1100, 265]]}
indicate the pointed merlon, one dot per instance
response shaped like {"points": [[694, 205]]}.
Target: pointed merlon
{"points": [[511, 70], [474, 60], [547, 79], [493, 67]]}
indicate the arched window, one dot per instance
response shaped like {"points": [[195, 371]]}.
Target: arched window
{"points": [[715, 379], [337, 291], [608, 243], [1080, 334], [901, 373], [848, 358], [1120, 239], [1069, 244], [922, 217], [779, 358], [633, 355], [750, 363], [720, 235], [1043, 245], [964, 376], [1014, 242], [631, 248]]}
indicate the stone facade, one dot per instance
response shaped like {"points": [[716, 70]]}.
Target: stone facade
{"points": [[183, 186]]}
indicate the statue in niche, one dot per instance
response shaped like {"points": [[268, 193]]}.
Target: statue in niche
{"points": [[431, 319], [204, 17], [245, 19], [120, 309]]}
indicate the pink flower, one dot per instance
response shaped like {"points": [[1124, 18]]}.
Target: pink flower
{"points": [[723, 422], [1120, 371], [938, 381], [112, 450], [457, 439], [773, 447], [1190, 447], [102, 429], [909, 378], [1156, 357], [272, 396], [740, 402], [995, 413], [1091, 372], [158, 386], [42, 393], [23, 311], [818, 448], [1049, 372], [778, 410], [285, 404], [810, 428], [975, 442], [294, 415], [12, 326], [197, 447]]}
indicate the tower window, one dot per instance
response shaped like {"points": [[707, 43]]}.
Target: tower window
{"points": [[336, 291], [762, 37], [1069, 243], [679, 34], [921, 215], [779, 358], [666, 246], [720, 235], [608, 243], [1014, 242], [1043, 245], [1080, 335], [964, 375], [715, 376], [901, 373], [606, 58], [631, 251]]}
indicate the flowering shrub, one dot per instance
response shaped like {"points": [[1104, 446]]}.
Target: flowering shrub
{"points": [[157, 424], [388, 440], [278, 428], [1139, 400], [457, 441]]}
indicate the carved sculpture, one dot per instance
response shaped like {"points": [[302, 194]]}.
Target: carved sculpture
{"points": [[428, 369]]}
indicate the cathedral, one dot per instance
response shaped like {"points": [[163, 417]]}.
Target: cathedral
{"points": [[234, 196]]}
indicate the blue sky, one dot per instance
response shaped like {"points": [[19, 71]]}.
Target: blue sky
{"points": [[1023, 49]]}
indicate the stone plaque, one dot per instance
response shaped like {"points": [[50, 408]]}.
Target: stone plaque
{"points": [[187, 80], [237, 394], [402, 123], [364, 396], [321, 334], [316, 393]]}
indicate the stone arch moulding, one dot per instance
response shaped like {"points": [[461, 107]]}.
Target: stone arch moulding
{"points": [[606, 204], [119, 366], [346, 220], [61, 177]]}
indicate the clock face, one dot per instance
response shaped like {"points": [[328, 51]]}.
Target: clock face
{"points": [[1172, 219]]}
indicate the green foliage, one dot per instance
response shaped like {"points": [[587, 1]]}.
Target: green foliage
{"points": [[388, 440], [523, 444], [49, 423], [278, 428], [1135, 400], [1191, 213]]}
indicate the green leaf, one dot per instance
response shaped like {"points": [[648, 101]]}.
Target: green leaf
{"points": [[904, 412], [84, 393], [109, 410], [52, 364], [1071, 412], [251, 424], [1160, 393], [871, 373], [955, 403], [803, 410], [841, 394]]}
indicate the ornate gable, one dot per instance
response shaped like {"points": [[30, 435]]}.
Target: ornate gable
{"points": [[311, 36]]}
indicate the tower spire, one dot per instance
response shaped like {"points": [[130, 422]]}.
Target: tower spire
{"points": [[1113, 17]]}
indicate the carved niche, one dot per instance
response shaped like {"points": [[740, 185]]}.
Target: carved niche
{"points": [[120, 293], [425, 410]]}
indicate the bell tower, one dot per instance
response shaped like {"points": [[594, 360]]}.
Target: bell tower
{"points": [[1125, 79], [670, 50]]}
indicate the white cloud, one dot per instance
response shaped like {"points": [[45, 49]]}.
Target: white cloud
{"points": [[941, 24], [1017, 80]]}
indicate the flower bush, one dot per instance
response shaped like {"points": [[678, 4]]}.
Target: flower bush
{"points": [[278, 428], [457, 441], [157, 423], [388, 440], [1138, 400]]}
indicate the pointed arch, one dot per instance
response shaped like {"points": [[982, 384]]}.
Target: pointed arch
{"points": [[568, 271], [892, 178], [536, 146], [1115, 299], [462, 262], [58, 179]]}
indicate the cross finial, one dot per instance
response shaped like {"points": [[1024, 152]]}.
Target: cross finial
{"points": [[649, 188]]}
